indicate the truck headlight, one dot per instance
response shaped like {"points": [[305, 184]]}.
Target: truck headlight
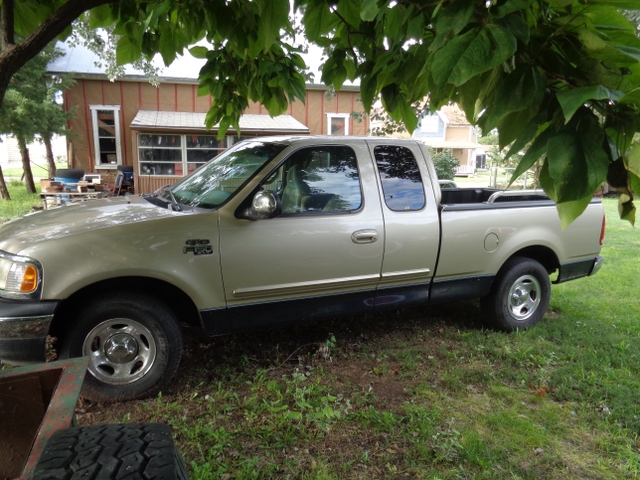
{"points": [[20, 277]]}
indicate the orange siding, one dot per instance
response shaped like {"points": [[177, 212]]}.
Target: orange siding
{"points": [[135, 96]]}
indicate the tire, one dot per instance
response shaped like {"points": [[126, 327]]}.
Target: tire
{"points": [[125, 168], [519, 296], [133, 341], [69, 173], [115, 452]]}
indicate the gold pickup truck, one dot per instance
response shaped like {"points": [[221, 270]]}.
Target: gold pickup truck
{"points": [[274, 230]]}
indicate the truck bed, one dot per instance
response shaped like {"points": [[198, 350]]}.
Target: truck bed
{"points": [[463, 196]]}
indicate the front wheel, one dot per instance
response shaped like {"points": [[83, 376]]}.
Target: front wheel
{"points": [[133, 342], [519, 296]]}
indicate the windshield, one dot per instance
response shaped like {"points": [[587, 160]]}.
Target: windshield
{"points": [[217, 180]]}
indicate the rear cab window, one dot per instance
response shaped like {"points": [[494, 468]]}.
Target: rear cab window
{"points": [[400, 177]]}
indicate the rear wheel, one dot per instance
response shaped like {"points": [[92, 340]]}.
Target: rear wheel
{"points": [[133, 342], [519, 296]]}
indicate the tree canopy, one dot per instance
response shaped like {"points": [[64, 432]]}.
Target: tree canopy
{"points": [[563, 75]]}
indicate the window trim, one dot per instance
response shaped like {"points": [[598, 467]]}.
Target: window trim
{"points": [[311, 213], [96, 138], [229, 140], [344, 116]]}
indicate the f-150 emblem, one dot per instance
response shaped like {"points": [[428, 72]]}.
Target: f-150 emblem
{"points": [[198, 247]]}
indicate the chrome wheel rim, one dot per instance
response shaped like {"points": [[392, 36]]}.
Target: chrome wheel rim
{"points": [[524, 297], [120, 351]]}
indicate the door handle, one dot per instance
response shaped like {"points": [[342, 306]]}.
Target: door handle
{"points": [[364, 236]]}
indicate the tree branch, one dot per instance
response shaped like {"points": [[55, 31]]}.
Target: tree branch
{"points": [[14, 56], [6, 27]]}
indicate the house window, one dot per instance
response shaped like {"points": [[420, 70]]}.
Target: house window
{"points": [[338, 123], [179, 155], [430, 124], [106, 135]]}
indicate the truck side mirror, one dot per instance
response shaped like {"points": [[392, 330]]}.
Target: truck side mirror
{"points": [[265, 204]]}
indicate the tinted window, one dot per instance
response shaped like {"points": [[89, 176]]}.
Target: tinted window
{"points": [[318, 179], [400, 177]]}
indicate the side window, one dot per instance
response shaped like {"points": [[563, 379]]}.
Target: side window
{"points": [[400, 178], [318, 179]]}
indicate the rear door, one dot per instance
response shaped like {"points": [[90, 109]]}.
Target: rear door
{"points": [[322, 255], [412, 230]]}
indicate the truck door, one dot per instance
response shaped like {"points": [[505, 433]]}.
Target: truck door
{"points": [[321, 256], [412, 229]]}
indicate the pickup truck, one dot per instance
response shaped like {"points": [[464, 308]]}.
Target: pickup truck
{"points": [[274, 230]]}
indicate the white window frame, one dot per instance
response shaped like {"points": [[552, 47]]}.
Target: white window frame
{"points": [[96, 138], [183, 149], [344, 116]]}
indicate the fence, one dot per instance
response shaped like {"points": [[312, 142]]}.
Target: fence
{"points": [[499, 177]]}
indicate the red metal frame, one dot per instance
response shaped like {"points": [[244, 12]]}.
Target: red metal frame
{"points": [[59, 384]]}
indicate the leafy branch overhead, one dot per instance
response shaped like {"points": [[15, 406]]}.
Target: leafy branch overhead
{"points": [[561, 75]]}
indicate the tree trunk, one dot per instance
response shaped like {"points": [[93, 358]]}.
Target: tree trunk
{"points": [[50, 160], [26, 164], [4, 192]]}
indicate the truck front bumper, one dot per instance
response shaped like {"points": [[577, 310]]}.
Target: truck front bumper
{"points": [[23, 331]]}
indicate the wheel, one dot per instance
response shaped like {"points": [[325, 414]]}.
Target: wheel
{"points": [[133, 342], [519, 296], [143, 450], [69, 172]]}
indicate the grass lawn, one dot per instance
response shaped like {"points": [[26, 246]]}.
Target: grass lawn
{"points": [[21, 202], [419, 394], [39, 171]]}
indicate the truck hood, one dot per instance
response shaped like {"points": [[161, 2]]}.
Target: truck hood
{"points": [[74, 219]]}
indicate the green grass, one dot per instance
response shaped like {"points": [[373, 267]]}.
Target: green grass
{"points": [[38, 171], [21, 202], [420, 394]]}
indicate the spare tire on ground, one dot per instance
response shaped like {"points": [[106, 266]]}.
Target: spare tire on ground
{"points": [[144, 450], [69, 172]]}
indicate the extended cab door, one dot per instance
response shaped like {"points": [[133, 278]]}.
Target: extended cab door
{"points": [[322, 255], [412, 227]]}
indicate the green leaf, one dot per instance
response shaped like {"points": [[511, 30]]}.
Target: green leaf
{"points": [[634, 182], [577, 162], [569, 211], [127, 52], [572, 99], [350, 11], [627, 209], [100, 16], [472, 53], [632, 52], [535, 151], [633, 160], [518, 27], [167, 48], [455, 17], [199, 52], [408, 116], [369, 10], [511, 6], [521, 89], [274, 16], [318, 19]]}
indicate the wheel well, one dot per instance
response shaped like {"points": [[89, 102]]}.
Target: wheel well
{"points": [[544, 255], [180, 303]]}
